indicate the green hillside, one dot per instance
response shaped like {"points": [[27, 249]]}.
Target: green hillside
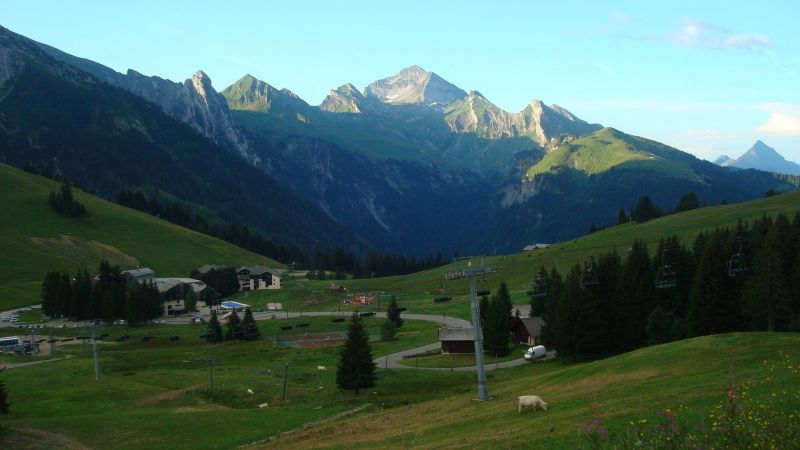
{"points": [[688, 378], [418, 290], [608, 148], [35, 239]]}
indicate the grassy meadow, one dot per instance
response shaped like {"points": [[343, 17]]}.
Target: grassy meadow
{"points": [[36, 239], [417, 291]]}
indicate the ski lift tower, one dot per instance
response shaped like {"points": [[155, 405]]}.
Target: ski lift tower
{"points": [[471, 272]]}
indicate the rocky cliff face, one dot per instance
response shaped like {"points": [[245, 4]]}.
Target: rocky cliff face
{"points": [[413, 85], [547, 126], [194, 101], [345, 99]]}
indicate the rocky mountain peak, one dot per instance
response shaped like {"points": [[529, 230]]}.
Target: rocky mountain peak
{"points": [[252, 94], [414, 85], [344, 99], [762, 157], [202, 85]]}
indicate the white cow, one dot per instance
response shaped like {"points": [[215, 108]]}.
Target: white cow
{"points": [[322, 369], [531, 401]]}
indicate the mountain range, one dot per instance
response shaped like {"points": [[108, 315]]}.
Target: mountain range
{"points": [[410, 164], [760, 157]]}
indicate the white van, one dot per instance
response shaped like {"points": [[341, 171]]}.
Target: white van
{"points": [[535, 352]]}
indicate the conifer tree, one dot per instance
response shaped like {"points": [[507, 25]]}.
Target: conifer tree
{"points": [[234, 331], [634, 300], [250, 331], [393, 312], [355, 369], [765, 299], [214, 329], [622, 217]]}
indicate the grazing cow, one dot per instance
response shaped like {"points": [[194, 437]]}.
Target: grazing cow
{"points": [[263, 405], [250, 391], [531, 401], [322, 369]]}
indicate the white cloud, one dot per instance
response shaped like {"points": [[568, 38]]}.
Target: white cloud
{"points": [[747, 41], [695, 33], [784, 119]]}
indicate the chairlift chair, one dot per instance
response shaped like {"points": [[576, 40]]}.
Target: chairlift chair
{"points": [[589, 277], [538, 287], [666, 277], [736, 264]]}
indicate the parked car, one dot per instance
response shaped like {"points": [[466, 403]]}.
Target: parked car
{"points": [[535, 352]]}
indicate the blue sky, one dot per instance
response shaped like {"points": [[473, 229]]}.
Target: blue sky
{"points": [[706, 77]]}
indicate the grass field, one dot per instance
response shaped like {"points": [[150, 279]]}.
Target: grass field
{"points": [[689, 377], [34, 239], [417, 291], [154, 394]]}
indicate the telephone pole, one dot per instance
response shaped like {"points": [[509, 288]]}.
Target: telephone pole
{"points": [[471, 272]]}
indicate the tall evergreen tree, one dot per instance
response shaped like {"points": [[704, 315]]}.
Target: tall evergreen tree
{"points": [[497, 332], [483, 310], [645, 210], [214, 329], [355, 369], [634, 300], [50, 294], [713, 305], [688, 202], [765, 297], [250, 331], [234, 331], [566, 324], [622, 217], [393, 312]]}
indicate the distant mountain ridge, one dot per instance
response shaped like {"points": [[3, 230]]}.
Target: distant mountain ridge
{"points": [[106, 139], [761, 157], [402, 161]]}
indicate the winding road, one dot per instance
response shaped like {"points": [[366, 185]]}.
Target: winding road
{"points": [[391, 361]]}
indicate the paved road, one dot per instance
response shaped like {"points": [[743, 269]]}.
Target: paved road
{"points": [[386, 361]]}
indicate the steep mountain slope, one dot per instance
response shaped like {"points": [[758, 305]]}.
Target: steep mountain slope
{"points": [[763, 157], [194, 101], [250, 94], [588, 180], [107, 140], [394, 163], [35, 239]]}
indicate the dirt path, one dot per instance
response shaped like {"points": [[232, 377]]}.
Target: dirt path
{"points": [[52, 440], [168, 395]]}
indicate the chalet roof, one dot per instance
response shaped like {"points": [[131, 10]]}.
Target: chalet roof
{"points": [[529, 248], [533, 325], [165, 284], [205, 268], [455, 334], [140, 272], [259, 270]]}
